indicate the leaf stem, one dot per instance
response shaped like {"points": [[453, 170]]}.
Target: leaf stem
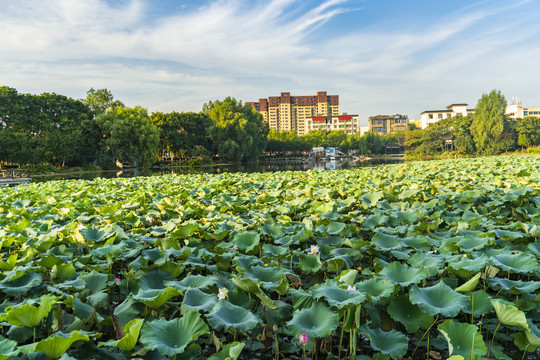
{"points": [[427, 331], [493, 338]]}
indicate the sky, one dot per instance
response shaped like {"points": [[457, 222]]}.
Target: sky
{"points": [[379, 56]]}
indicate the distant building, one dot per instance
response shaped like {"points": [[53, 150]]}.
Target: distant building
{"points": [[432, 116], [286, 112], [388, 124], [345, 122], [516, 110]]}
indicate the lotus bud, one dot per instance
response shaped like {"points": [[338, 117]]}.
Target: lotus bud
{"points": [[117, 280], [303, 338], [352, 288]]}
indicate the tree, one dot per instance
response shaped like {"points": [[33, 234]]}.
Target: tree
{"points": [[489, 120], [100, 100], [129, 137], [238, 131], [528, 131], [183, 131]]}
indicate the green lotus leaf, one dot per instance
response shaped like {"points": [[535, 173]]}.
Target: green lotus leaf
{"points": [[438, 299], [195, 300], [194, 281], [510, 315], [376, 288], [431, 264], [386, 242], [463, 339], [317, 321], [533, 336], [268, 277], [393, 343], [246, 241], [374, 220], [515, 286], [402, 274], [401, 309], [275, 250], [128, 310], [185, 231], [7, 348], [226, 315], [131, 335], [370, 199], [81, 310], [470, 243], [467, 267], [172, 337], [470, 285], [96, 234], [155, 298], [21, 285], [154, 279], [95, 281], [521, 263], [10, 262], [348, 277], [275, 230], [62, 271], [229, 352], [479, 302], [27, 314], [310, 263], [339, 297], [335, 228], [57, 344]]}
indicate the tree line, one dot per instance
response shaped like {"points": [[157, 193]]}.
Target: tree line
{"points": [[486, 132], [55, 129]]}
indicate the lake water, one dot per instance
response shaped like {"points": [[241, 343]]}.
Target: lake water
{"points": [[223, 168]]}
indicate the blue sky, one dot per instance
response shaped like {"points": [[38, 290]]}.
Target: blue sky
{"points": [[379, 56]]}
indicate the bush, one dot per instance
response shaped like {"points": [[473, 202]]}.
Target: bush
{"points": [[533, 150], [91, 167], [42, 169]]}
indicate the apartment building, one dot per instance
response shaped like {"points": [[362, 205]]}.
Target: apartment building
{"points": [[388, 124], [345, 122], [516, 110], [286, 112], [432, 116]]}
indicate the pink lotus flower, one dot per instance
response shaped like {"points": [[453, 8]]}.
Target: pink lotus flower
{"points": [[314, 249], [303, 338], [352, 288], [117, 280]]}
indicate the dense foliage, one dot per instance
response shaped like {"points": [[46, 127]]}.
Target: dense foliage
{"points": [[398, 261]]}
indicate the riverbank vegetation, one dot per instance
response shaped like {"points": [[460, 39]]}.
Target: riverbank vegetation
{"points": [[400, 261]]}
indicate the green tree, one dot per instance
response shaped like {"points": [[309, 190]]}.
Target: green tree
{"points": [[183, 134], [489, 120], [238, 131], [100, 100], [528, 131], [128, 136]]}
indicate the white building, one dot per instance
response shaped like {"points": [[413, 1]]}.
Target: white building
{"points": [[516, 110], [347, 123], [432, 116]]}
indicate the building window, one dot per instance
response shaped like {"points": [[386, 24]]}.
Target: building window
{"points": [[431, 116], [439, 116]]}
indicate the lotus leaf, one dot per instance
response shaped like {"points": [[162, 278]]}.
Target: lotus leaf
{"points": [[402, 274], [470, 285], [172, 337], [56, 345], [95, 281], [7, 348], [196, 300], [339, 297], [393, 343], [438, 299], [268, 277], [310, 263], [463, 339], [515, 286], [194, 281], [131, 335], [317, 321], [376, 288], [27, 314], [386, 242], [246, 241], [521, 263], [226, 315], [479, 302], [401, 309], [229, 352], [21, 285], [510, 315]]}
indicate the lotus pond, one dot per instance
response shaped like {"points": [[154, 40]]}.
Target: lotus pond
{"points": [[418, 260]]}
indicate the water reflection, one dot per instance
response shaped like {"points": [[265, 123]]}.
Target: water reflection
{"points": [[226, 168]]}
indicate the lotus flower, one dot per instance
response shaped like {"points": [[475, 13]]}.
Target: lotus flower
{"points": [[303, 338], [222, 293], [352, 288], [117, 280], [149, 219], [314, 249]]}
